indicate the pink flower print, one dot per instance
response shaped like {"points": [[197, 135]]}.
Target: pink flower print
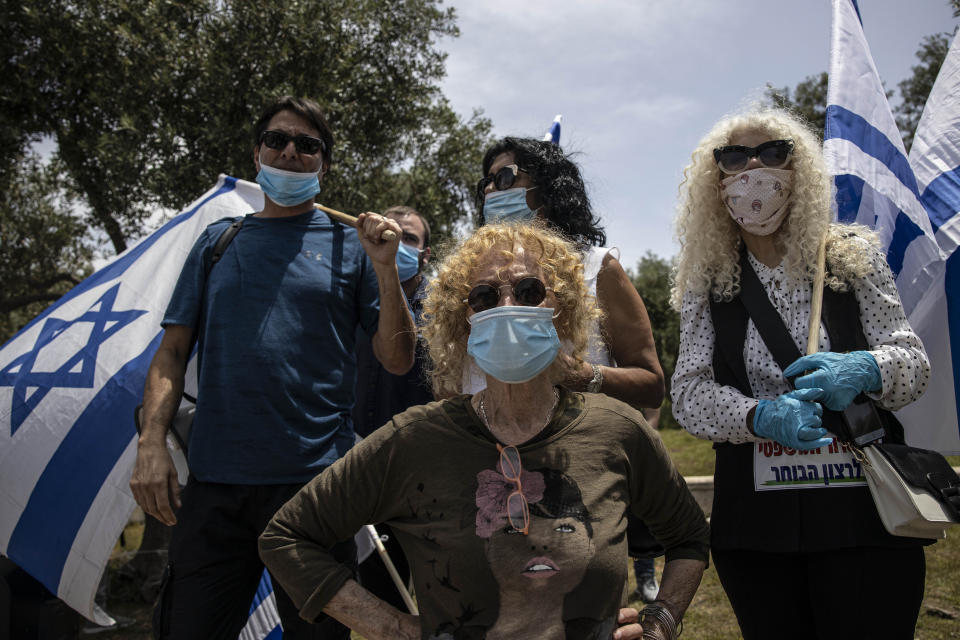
{"points": [[777, 187], [756, 205], [492, 492], [744, 178]]}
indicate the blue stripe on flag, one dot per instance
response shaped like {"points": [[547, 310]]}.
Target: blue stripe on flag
{"points": [[847, 125], [264, 589], [848, 197], [114, 269], [952, 287], [905, 231], [856, 8], [941, 198], [276, 634], [76, 472]]}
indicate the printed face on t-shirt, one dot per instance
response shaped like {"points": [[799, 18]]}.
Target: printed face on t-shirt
{"points": [[554, 555]]}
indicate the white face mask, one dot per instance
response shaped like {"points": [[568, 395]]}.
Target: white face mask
{"points": [[758, 199]]}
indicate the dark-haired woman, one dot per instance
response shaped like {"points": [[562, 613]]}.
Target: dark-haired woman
{"points": [[526, 179]]}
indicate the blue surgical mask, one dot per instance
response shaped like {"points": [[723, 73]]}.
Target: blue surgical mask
{"points": [[408, 262], [288, 188], [509, 205], [513, 344]]}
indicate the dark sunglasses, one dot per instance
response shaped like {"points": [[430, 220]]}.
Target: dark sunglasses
{"points": [[502, 179], [302, 143], [773, 155], [527, 291], [518, 510]]}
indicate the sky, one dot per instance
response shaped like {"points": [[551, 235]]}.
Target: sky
{"points": [[640, 82]]}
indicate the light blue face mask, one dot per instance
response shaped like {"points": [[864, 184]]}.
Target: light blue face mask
{"points": [[513, 344], [288, 188], [507, 206], [408, 261]]}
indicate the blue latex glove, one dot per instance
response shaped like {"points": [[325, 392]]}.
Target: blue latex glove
{"points": [[842, 376], [792, 419]]}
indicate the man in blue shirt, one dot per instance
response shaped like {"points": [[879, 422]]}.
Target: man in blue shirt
{"points": [[274, 321]]}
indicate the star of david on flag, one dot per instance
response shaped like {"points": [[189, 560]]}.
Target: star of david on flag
{"points": [[69, 382], [31, 386]]}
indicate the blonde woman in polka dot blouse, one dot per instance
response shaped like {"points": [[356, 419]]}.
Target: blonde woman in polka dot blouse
{"points": [[796, 538]]}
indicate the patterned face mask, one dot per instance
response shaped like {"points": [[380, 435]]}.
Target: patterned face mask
{"points": [[758, 199]]}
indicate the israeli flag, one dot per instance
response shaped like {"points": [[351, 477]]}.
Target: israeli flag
{"points": [[935, 159], [875, 185], [553, 133], [69, 382]]}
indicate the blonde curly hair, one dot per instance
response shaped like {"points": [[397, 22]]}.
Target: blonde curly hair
{"points": [[446, 329], [710, 239]]}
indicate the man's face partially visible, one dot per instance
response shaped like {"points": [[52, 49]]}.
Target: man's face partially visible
{"points": [[288, 158], [412, 234]]}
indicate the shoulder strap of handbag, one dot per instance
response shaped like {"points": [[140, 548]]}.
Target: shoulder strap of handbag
{"points": [[765, 317]]}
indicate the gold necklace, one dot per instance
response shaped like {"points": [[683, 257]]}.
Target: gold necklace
{"points": [[486, 423]]}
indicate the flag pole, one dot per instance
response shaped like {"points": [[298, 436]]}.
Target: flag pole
{"points": [[392, 570], [348, 219], [816, 304]]}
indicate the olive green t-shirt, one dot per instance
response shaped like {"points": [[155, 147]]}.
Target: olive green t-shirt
{"points": [[432, 473]]}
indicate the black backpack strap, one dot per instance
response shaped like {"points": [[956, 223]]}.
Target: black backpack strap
{"points": [[224, 241], [765, 317]]}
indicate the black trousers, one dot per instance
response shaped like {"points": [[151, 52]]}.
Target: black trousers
{"points": [[867, 593], [214, 566]]}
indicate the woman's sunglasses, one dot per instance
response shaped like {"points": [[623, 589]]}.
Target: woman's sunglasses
{"points": [[502, 179], [518, 510], [302, 143], [527, 291], [773, 155]]}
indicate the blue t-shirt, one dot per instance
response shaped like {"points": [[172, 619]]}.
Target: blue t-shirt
{"points": [[276, 326]]}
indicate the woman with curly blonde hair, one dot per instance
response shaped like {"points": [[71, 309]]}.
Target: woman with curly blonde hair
{"points": [[509, 504], [795, 537]]}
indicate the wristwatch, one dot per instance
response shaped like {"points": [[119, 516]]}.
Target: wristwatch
{"points": [[596, 381]]}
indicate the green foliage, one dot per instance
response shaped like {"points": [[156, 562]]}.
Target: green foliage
{"points": [[149, 100], [652, 281], [809, 100], [915, 89], [42, 251]]}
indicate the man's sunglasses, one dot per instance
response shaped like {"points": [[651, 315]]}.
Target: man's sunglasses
{"points": [[773, 155], [502, 179], [527, 291], [302, 143]]}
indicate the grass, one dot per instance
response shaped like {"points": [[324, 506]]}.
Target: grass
{"points": [[710, 616]]}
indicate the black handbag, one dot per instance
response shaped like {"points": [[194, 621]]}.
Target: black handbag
{"points": [[916, 492]]}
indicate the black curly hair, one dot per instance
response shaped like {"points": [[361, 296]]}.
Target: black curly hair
{"points": [[560, 187]]}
